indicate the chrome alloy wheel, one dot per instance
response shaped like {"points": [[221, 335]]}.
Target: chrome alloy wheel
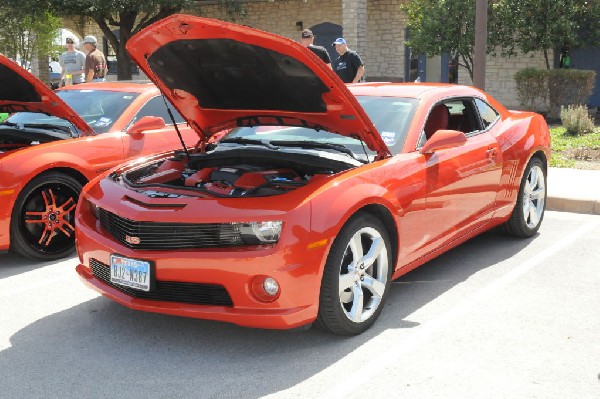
{"points": [[534, 197], [363, 274]]}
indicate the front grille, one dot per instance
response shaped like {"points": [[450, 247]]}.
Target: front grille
{"points": [[168, 236], [169, 291]]}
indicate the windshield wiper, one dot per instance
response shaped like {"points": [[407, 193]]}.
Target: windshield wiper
{"points": [[65, 129], [242, 140], [315, 144]]}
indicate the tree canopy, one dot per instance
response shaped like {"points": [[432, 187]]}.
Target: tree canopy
{"points": [[545, 25], [23, 34], [119, 20], [437, 26]]}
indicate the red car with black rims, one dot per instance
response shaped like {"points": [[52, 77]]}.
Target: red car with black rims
{"points": [[53, 143]]}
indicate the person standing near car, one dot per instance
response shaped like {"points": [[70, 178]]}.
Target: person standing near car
{"points": [[348, 66], [307, 38], [95, 62], [72, 63]]}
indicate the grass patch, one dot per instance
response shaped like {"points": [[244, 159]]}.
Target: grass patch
{"points": [[567, 148]]}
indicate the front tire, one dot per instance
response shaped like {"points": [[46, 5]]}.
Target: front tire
{"points": [[42, 225], [356, 279], [528, 214]]}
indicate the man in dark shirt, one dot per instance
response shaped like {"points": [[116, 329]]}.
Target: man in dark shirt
{"points": [[307, 38], [348, 66]]}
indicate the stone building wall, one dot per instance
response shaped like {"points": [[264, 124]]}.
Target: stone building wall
{"points": [[499, 76], [280, 16], [384, 55]]}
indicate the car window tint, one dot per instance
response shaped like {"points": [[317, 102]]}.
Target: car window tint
{"points": [[99, 108], [156, 107], [391, 116], [463, 116], [486, 112]]}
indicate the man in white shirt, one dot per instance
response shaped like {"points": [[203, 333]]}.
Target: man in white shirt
{"points": [[72, 62]]}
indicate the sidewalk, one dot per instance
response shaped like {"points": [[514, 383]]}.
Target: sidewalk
{"points": [[573, 190]]}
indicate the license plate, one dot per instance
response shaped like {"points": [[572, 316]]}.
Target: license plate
{"points": [[129, 272]]}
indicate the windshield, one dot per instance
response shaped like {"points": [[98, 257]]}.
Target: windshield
{"points": [[99, 108], [390, 115]]}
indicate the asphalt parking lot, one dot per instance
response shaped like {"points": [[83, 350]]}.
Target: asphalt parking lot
{"points": [[494, 318]]}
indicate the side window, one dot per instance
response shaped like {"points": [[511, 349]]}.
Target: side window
{"points": [[463, 116], [486, 112], [454, 114], [156, 107]]}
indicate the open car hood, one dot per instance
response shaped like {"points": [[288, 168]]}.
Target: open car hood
{"points": [[21, 91], [221, 75]]}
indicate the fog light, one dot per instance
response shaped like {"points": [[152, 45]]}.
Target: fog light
{"points": [[265, 288], [271, 286]]}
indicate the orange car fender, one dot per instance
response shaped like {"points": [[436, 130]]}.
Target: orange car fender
{"points": [[331, 211]]}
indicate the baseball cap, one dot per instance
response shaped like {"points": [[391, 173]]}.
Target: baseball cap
{"points": [[339, 40], [90, 39], [307, 33]]}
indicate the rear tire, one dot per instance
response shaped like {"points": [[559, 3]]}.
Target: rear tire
{"points": [[356, 279], [528, 214], [42, 224]]}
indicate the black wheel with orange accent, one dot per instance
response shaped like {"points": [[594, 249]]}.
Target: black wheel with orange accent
{"points": [[42, 225]]}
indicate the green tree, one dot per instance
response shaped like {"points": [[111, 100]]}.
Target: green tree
{"points": [[128, 16], [24, 34], [438, 26], [545, 25]]}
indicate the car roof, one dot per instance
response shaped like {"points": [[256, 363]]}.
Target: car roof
{"points": [[411, 90]]}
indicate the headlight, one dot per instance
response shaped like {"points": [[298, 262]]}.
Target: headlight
{"points": [[261, 232]]}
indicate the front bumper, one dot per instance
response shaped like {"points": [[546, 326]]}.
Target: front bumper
{"points": [[296, 268]]}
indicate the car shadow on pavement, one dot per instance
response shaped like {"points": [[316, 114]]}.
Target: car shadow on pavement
{"points": [[12, 265], [101, 349]]}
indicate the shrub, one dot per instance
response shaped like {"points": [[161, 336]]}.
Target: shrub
{"points": [[552, 89], [569, 87], [576, 119], [531, 88]]}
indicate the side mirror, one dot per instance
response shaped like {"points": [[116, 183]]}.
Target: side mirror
{"points": [[147, 123], [443, 139]]}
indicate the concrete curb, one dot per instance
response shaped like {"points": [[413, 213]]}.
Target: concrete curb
{"points": [[573, 205], [573, 190]]}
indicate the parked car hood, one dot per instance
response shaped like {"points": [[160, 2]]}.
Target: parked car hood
{"points": [[21, 91], [221, 75]]}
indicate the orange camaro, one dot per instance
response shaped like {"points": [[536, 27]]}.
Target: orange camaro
{"points": [[319, 196], [55, 142]]}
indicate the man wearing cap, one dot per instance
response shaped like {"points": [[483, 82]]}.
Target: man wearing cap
{"points": [[348, 66], [95, 62], [72, 63], [307, 38]]}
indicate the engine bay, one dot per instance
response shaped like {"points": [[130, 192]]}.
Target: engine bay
{"points": [[233, 176]]}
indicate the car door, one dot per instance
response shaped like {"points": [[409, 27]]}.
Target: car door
{"points": [[159, 140], [461, 182]]}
